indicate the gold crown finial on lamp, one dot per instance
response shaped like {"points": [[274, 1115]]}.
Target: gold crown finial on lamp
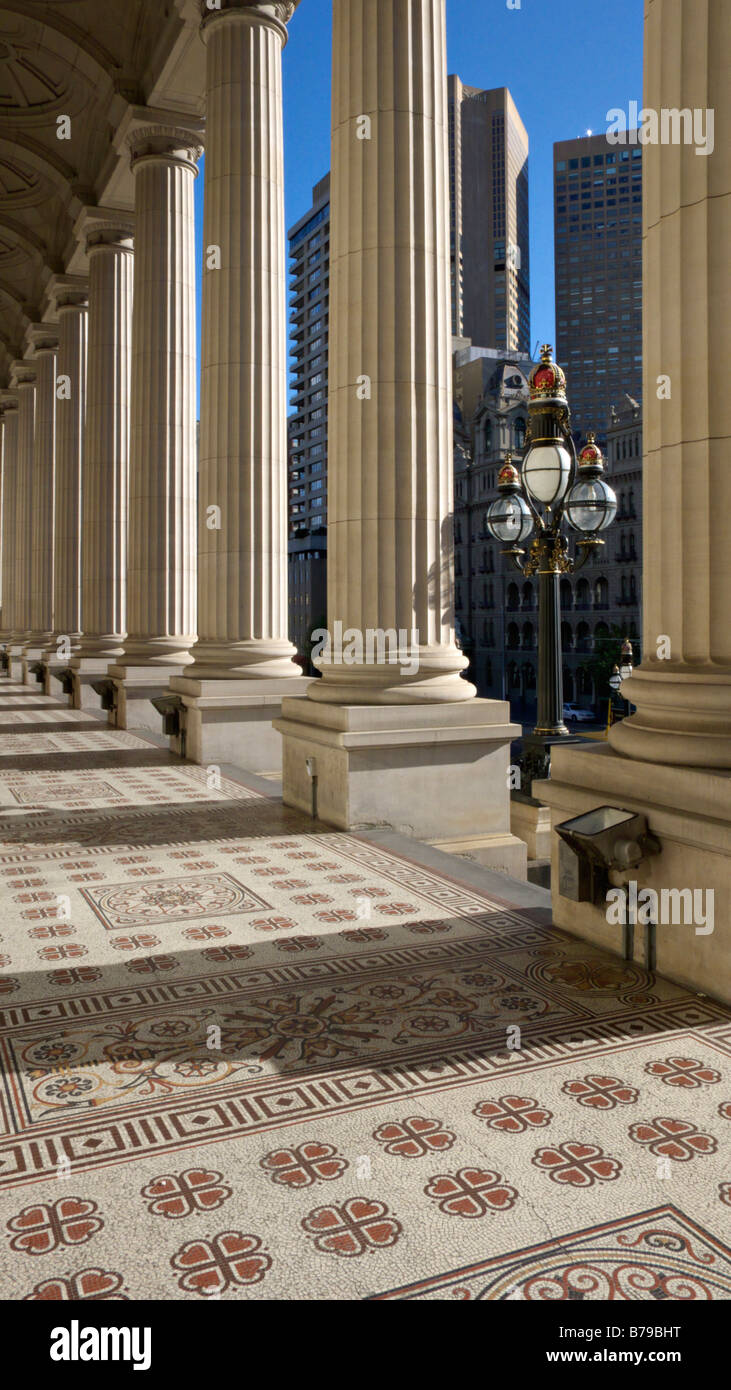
{"points": [[547, 381]]}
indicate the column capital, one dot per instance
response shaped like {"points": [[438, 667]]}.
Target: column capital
{"points": [[276, 13], [68, 292], [105, 228], [8, 400], [22, 373], [152, 133], [42, 337]]}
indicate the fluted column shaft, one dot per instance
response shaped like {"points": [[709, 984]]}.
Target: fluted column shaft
{"points": [[42, 493], [106, 453], [26, 391], [390, 500], [72, 309], [9, 407], [242, 549], [682, 689], [161, 567]]}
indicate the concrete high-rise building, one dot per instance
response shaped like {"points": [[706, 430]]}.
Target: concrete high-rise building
{"points": [[309, 250], [488, 174], [598, 242]]}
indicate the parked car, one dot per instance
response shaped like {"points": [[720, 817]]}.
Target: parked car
{"points": [[574, 712]]}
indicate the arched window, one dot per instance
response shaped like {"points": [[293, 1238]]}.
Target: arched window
{"points": [[583, 638], [566, 594], [529, 677], [582, 594], [519, 432], [527, 595], [601, 593], [567, 637], [513, 636], [513, 676], [513, 597], [528, 635]]}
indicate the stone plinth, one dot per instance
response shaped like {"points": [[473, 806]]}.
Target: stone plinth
{"points": [[530, 820], [228, 721], [689, 810], [415, 768]]}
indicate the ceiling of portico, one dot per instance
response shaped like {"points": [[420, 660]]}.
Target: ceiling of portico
{"points": [[87, 60]]}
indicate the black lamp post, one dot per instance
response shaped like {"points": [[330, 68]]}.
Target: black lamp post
{"points": [[554, 486], [623, 672]]}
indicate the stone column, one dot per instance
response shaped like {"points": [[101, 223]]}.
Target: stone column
{"points": [[23, 380], [394, 730], [70, 295], [682, 689], [390, 489], [161, 563], [44, 337], [9, 408], [243, 660], [670, 760], [109, 245]]}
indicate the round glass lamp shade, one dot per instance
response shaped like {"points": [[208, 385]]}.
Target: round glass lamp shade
{"points": [[508, 519], [546, 472], [591, 505]]}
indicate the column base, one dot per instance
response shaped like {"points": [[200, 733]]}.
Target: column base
{"points": [[683, 716], [135, 688], [689, 810], [230, 721], [434, 772]]}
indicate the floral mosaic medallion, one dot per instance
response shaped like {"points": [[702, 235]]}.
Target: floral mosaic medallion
{"points": [[171, 900]]}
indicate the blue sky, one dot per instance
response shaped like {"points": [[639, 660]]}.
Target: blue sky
{"points": [[566, 62]]}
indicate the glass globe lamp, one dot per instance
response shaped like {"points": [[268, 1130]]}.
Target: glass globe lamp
{"points": [[546, 472], [591, 505], [508, 518]]}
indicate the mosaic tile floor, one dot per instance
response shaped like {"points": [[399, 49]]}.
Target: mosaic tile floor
{"points": [[245, 1058]]}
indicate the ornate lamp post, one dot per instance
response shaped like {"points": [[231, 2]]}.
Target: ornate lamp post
{"points": [[553, 487], [624, 671]]}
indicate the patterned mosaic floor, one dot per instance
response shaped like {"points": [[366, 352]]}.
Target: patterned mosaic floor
{"points": [[240, 1059]]}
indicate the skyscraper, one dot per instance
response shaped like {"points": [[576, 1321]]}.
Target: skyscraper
{"points": [[488, 171], [598, 241], [309, 250]]}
